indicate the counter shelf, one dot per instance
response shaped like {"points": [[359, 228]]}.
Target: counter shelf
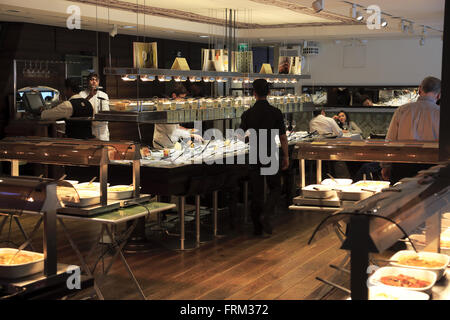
{"points": [[198, 73], [78, 153], [185, 115], [366, 151], [376, 221]]}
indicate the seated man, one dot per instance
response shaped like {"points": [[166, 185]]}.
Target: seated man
{"points": [[417, 121], [74, 107], [328, 127], [324, 125]]}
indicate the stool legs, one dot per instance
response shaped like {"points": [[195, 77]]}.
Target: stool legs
{"points": [[181, 201], [245, 201], [215, 205], [197, 220]]}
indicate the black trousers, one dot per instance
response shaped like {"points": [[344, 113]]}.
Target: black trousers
{"points": [[260, 209], [406, 170]]}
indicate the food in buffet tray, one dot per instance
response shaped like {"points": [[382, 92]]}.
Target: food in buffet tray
{"points": [[419, 262], [353, 193], [383, 296], [177, 146], [402, 277], [94, 186], [120, 188], [318, 191], [337, 182], [72, 182], [372, 184], [387, 293], [120, 192], [25, 263], [23, 257], [431, 261], [121, 105], [404, 281]]}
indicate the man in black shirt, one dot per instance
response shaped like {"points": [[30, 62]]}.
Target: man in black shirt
{"points": [[265, 122]]}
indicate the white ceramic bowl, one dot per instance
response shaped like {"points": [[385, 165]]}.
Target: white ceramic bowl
{"points": [[441, 258], [120, 195], [72, 182], [423, 275], [94, 186], [15, 271], [353, 193], [318, 191], [390, 293], [372, 185], [337, 182]]}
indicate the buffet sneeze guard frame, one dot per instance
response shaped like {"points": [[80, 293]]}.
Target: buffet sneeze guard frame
{"points": [[377, 223], [78, 153], [39, 197]]}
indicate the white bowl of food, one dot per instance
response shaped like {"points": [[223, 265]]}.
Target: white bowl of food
{"points": [[72, 182], [390, 293], [120, 192], [354, 193], [24, 264], [318, 191], [406, 278], [337, 182], [86, 198], [430, 261], [93, 186], [372, 185]]}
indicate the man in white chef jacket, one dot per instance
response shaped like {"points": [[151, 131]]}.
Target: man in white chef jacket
{"points": [[99, 101]]}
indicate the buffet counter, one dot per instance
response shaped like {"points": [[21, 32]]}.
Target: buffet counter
{"points": [[367, 150]]}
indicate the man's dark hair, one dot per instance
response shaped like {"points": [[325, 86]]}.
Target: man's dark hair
{"points": [[93, 75], [317, 111], [72, 84], [364, 98], [431, 84], [261, 87]]}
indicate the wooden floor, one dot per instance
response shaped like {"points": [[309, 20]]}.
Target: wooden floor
{"points": [[238, 266]]}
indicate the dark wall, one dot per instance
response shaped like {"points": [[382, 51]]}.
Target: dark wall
{"points": [[444, 135], [39, 42]]}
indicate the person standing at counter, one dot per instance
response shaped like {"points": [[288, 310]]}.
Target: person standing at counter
{"points": [[263, 116], [74, 107], [99, 101], [417, 121], [166, 135], [346, 124], [324, 125]]}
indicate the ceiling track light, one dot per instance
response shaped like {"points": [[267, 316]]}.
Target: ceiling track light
{"points": [[356, 14], [422, 41], [411, 27], [384, 23], [318, 5], [403, 26]]}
